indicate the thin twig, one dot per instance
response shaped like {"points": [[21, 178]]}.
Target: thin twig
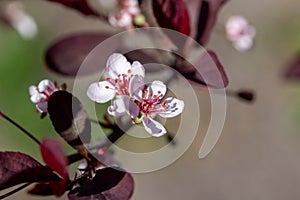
{"points": [[14, 191], [20, 127]]}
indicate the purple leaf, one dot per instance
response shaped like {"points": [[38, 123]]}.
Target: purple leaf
{"points": [[144, 56], [66, 55], [70, 120], [172, 14], [123, 190], [54, 156], [246, 95], [79, 5], [47, 189], [16, 168], [204, 15], [43, 189], [206, 70], [292, 72], [107, 184], [93, 196]]}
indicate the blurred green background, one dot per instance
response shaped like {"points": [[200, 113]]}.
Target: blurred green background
{"points": [[257, 156]]}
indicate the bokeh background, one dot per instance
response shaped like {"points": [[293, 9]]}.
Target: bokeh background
{"points": [[257, 155]]}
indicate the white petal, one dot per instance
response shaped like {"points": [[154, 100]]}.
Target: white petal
{"points": [[153, 127], [32, 90], [243, 44], [133, 9], [251, 31], [235, 26], [175, 107], [42, 106], [138, 69], [101, 92], [117, 64], [46, 84], [26, 26], [38, 97], [157, 88], [125, 19], [131, 108], [112, 19], [130, 3], [136, 86], [117, 108]]}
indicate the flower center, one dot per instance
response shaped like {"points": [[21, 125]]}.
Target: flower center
{"points": [[151, 104], [48, 92], [121, 83]]}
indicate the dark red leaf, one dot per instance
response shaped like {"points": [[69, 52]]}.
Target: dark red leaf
{"points": [[204, 15], [108, 184], [292, 72], [246, 95], [16, 168], [123, 190], [94, 196], [54, 156], [144, 56], [79, 5], [206, 70], [36, 174], [50, 188], [66, 55], [70, 119], [172, 14], [43, 189], [202, 21]]}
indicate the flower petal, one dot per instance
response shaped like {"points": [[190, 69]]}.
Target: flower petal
{"points": [[123, 19], [251, 31], [153, 127], [117, 108], [175, 107], [243, 44], [38, 97], [234, 26], [46, 84], [137, 69], [101, 92], [136, 86], [131, 108], [32, 90], [42, 107], [156, 88], [117, 64]]}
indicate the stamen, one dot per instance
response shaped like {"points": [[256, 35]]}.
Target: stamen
{"points": [[108, 79], [129, 71], [106, 87]]}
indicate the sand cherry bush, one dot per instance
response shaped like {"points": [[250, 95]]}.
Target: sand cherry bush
{"points": [[124, 85]]}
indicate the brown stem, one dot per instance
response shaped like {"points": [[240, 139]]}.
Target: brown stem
{"points": [[20, 127], [14, 191]]}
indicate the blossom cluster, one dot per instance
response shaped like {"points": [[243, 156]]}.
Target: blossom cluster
{"points": [[39, 95], [240, 33], [128, 15], [125, 84]]}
